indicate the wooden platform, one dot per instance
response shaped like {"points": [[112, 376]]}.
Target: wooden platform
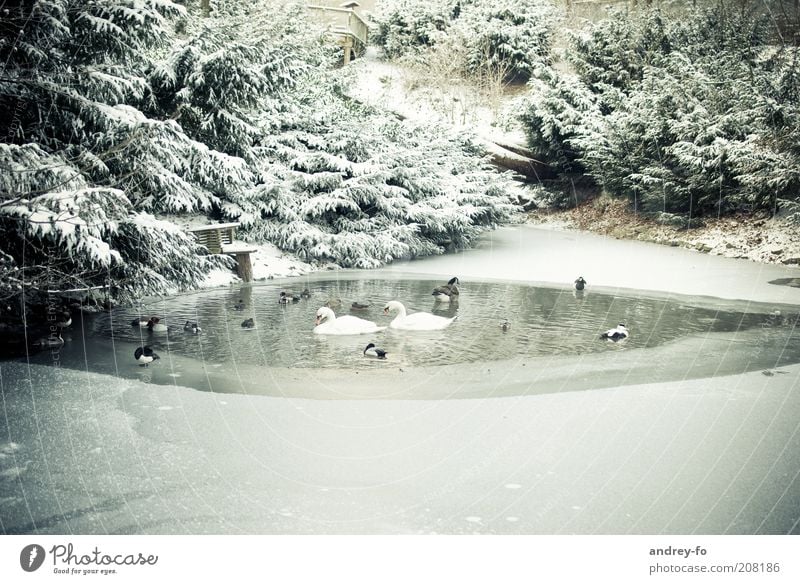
{"points": [[219, 239], [345, 23]]}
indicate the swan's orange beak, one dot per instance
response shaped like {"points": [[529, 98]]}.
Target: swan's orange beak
{"points": [[385, 311]]}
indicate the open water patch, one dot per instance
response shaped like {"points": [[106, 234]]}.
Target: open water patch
{"points": [[542, 322]]}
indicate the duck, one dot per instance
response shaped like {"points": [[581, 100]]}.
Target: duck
{"points": [[154, 324], [616, 334], [505, 325], [249, 323], [305, 293], [288, 298], [359, 306], [447, 292], [64, 321], [326, 323], [140, 322], [373, 351], [419, 321], [191, 327], [145, 356], [333, 303], [239, 305], [49, 342], [580, 283]]}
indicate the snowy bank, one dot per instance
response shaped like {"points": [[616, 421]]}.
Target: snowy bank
{"points": [[765, 239]]}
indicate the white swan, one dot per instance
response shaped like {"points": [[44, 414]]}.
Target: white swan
{"points": [[327, 324], [419, 321]]}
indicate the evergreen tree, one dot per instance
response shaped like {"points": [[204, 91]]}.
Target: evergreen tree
{"points": [[681, 115], [78, 154]]}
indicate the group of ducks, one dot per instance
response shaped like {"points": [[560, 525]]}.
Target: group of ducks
{"points": [[145, 355], [54, 340], [327, 323]]}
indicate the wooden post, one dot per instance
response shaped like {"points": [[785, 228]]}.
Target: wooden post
{"points": [[244, 266], [348, 47]]}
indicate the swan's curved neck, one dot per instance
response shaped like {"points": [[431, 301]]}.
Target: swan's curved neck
{"points": [[401, 310]]}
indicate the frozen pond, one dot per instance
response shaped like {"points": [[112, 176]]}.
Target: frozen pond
{"points": [[691, 426]]}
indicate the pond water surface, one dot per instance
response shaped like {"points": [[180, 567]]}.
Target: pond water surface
{"points": [[543, 322]]}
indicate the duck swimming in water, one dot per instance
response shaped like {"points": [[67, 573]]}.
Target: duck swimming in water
{"points": [[288, 298], [49, 342], [191, 327], [239, 305], [64, 320], [249, 323], [580, 283], [505, 326], [140, 322], [373, 351], [616, 334], [154, 324], [145, 355], [305, 293], [447, 292]]}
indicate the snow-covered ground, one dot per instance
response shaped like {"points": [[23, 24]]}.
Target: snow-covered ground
{"points": [[91, 453], [422, 98]]}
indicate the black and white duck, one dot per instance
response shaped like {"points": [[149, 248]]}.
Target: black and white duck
{"points": [[191, 327], [145, 355], [373, 351], [155, 325], [616, 334], [288, 298]]}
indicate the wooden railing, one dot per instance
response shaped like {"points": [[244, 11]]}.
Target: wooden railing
{"points": [[215, 236], [343, 21]]}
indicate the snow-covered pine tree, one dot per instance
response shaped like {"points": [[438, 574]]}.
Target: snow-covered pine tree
{"points": [[77, 155], [335, 181], [510, 36], [690, 115]]}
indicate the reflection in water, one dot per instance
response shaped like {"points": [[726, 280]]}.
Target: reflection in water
{"points": [[541, 322]]}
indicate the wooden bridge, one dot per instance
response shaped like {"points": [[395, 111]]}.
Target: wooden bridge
{"points": [[344, 22]]}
